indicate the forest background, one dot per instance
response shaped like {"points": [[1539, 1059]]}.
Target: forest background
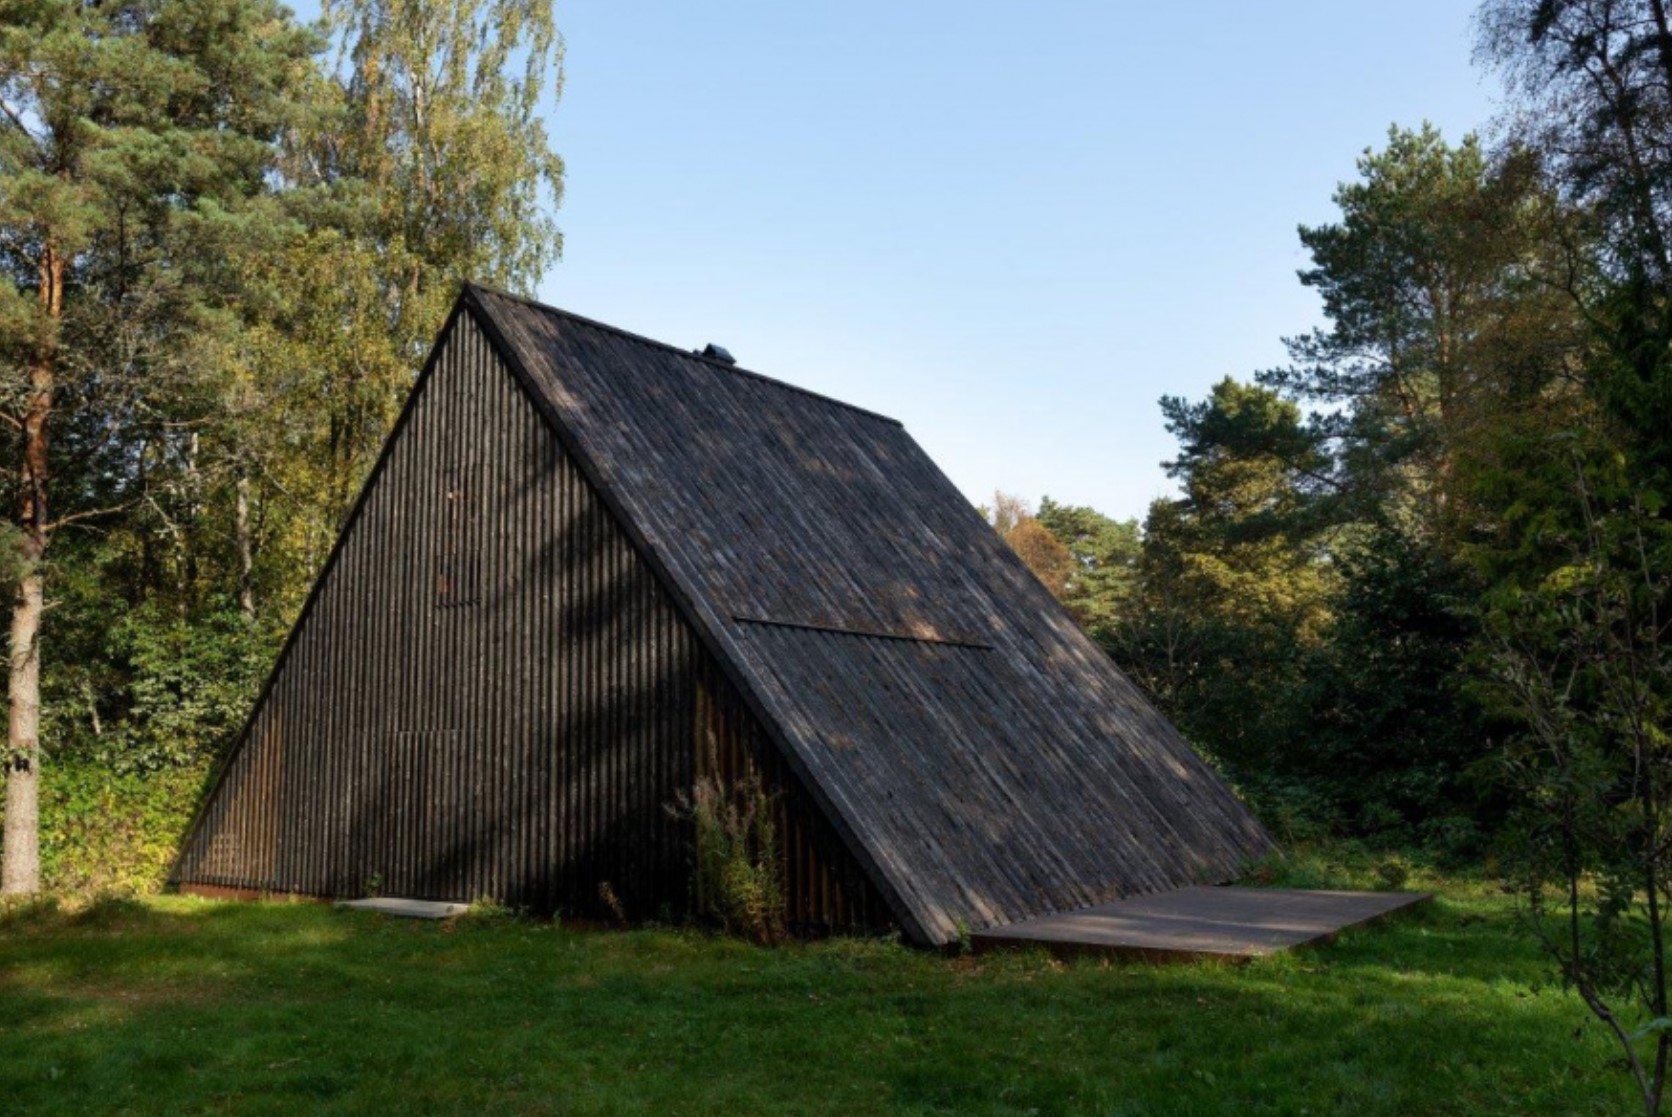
{"points": [[1396, 564]]}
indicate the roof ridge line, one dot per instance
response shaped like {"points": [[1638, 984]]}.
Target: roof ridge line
{"points": [[735, 369]]}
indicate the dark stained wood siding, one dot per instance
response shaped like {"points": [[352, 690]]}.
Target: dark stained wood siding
{"points": [[824, 889], [977, 752], [490, 694]]}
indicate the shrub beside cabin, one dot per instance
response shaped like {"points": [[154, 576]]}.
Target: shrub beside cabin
{"points": [[590, 568]]}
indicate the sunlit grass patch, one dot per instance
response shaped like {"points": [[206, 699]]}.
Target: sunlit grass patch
{"points": [[177, 1005]]}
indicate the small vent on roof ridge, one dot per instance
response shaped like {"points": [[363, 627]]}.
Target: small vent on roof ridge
{"points": [[718, 353]]}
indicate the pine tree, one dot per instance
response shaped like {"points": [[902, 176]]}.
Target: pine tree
{"points": [[137, 141]]}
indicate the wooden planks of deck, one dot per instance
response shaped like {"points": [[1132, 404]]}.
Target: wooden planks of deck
{"points": [[1196, 924]]}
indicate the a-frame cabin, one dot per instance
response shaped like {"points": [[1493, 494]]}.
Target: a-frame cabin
{"points": [[590, 566]]}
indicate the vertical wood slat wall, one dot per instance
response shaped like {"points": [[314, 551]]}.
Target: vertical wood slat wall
{"points": [[823, 887], [492, 696]]}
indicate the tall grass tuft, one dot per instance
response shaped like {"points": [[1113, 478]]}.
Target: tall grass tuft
{"points": [[739, 867]]}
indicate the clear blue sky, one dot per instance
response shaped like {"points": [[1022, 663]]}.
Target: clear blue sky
{"points": [[1014, 227]]}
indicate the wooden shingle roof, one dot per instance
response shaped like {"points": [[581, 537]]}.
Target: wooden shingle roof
{"points": [[981, 755]]}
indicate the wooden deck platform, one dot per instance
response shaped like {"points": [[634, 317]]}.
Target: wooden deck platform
{"points": [[1192, 924], [407, 909]]}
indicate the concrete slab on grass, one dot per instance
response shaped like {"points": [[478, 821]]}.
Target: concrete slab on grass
{"points": [[1226, 924], [409, 909]]}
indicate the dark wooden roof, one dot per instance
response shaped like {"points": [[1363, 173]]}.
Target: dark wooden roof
{"points": [[982, 756]]}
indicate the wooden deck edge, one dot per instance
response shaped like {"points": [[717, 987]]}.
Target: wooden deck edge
{"points": [[1147, 955], [1415, 900], [985, 942]]}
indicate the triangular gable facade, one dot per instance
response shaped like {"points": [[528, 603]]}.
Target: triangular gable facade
{"points": [[589, 566]]}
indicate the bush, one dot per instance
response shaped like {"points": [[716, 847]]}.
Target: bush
{"points": [[188, 689], [1393, 873], [739, 872], [108, 832], [139, 703]]}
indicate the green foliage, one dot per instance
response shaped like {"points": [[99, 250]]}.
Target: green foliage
{"points": [[262, 240], [1393, 873], [137, 166], [141, 706], [1424, 283], [484, 911], [426, 164], [443, 102], [1233, 583], [190, 684], [1306, 609], [1583, 661], [113, 832], [1105, 555], [739, 871], [145, 157], [1386, 728], [1590, 77], [1580, 559], [1246, 539]]}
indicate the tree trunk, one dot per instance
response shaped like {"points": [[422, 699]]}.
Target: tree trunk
{"points": [[185, 539], [246, 550], [20, 867], [21, 872]]}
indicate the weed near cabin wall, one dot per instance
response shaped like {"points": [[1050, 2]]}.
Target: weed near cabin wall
{"points": [[739, 869]]}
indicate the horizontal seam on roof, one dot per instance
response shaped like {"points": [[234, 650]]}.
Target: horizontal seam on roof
{"points": [[949, 642], [677, 351]]}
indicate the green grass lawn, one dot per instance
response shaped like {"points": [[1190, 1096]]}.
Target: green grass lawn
{"points": [[175, 1005]]}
